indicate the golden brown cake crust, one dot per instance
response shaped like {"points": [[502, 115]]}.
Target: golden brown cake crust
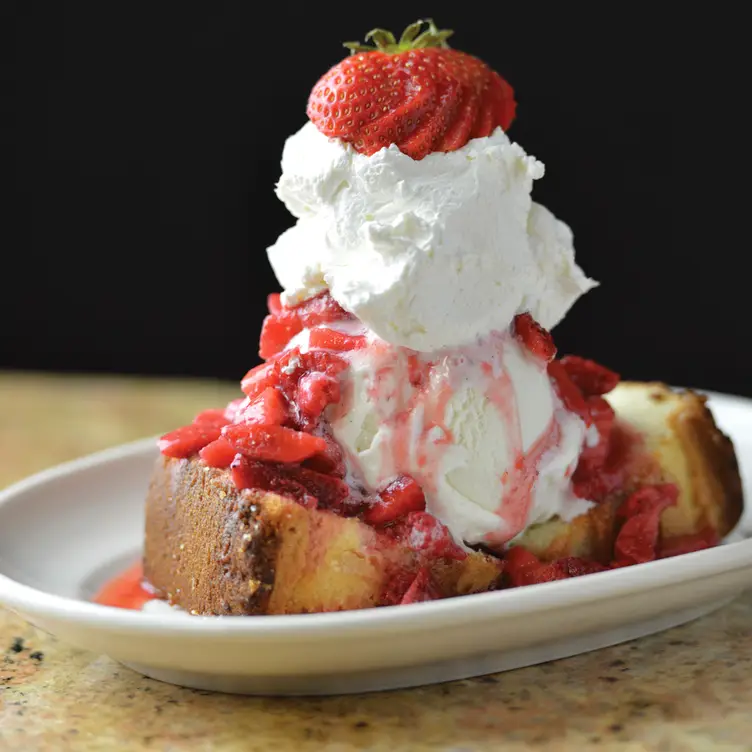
{"points": [[205, 547], [679, 443], [214, 550]]}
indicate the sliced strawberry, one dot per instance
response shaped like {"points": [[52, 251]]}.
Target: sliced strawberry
{"points": [[248, 473], [300, 483], [259, 378], [397, 125], [276, 333], [329, 462], [219, 453], [316, 391], [524, 568], [323, 309], [397, 583], [421, 589], [651, 499], [274, 303], [590, 377], [331, 339], [431, 132], [536, 339], [423, 533], [211, 418], [187, 440], [497, 93], [394, 93], [235, 407], [273, 443], [324, 362], [292, 365], [268, 409], [592, 481], [574, 566], [398, 499], [602, 416], [461, 128], [331, 492], [637, 540], [568, 392]]}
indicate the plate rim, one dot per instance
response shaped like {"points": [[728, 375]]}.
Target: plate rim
{"points": [[447, 612]]}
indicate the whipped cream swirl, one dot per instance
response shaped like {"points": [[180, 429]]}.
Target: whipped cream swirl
{"points": [[427, 254]]}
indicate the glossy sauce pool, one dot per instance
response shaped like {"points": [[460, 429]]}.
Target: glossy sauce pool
{"points": [[128, 589]]}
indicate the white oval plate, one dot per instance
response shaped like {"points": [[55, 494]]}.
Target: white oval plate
{"points": [[63, 532]]}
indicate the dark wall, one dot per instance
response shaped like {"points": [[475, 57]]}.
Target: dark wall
{"points": [[147, 146]]}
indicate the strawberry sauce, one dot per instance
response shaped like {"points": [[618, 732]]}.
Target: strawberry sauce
{"points": [[128, 590]]}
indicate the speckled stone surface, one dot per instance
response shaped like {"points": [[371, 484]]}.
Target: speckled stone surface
{"points": [[686, 689]]}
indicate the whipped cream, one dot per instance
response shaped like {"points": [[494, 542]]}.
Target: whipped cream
{"points": [[427, 254]]}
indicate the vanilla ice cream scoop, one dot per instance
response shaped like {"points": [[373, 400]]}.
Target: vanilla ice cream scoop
{"points": [[480, 428], [427, 254]]}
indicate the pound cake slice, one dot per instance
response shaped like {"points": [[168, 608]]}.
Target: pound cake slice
{"points": [[212, 549]]}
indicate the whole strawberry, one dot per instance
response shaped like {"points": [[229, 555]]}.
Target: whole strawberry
{"points": [[417, 93]]}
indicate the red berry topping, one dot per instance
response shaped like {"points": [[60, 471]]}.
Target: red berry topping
{"points": [[268, 409], [331, 339], [250, 474], [292, 365], [211, 418], [590, 377], [187, 440], [316, 391], [423, 533], [273, 443], [637, 539], [416, 93], [537, 339], [235, 407], [283, 323], [574, 566], [306, 486], [323, 309], [568, 392], [398, 499], [331, 492], [330, 462], [524, 568], [259, 378], [649, 500], [421, 589], [219, 453], [274, 303], [276, 333]]}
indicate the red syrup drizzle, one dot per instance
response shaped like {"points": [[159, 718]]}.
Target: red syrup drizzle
{"points": [[128, 590]]}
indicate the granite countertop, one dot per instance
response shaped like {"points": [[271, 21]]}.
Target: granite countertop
{"points": [[687, 689]]}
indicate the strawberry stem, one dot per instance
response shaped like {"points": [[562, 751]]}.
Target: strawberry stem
{"points": [[412, 39]]}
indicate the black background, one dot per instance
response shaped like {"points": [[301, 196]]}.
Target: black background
{"points": [[147, 144]]}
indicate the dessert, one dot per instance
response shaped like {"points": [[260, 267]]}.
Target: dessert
{"points": [[412, 433]]}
